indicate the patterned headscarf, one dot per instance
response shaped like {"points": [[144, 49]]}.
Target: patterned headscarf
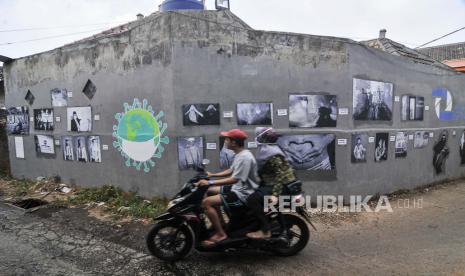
{"points": [[266, 138]]}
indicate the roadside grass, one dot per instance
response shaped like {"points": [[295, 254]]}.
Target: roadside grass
{"points": [[112, 200], [120, 202]]}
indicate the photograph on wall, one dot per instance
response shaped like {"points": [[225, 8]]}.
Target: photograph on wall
{"points": [[19, 147], [412, 108], [311, 152], [226, 155], [222, 4], [79, 119], [254, 114], [59, 97], [201, 114], [359, 147], [421, 139], [190, 152], [462, 148], [68, 148], [381, 147], [95, 153], [401, 144], [17, 121], [80, 149], [44, 144], [43, 119], [372, 100], [441, 153], [312, 110]]}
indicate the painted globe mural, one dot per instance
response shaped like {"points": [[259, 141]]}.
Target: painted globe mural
{"points": [[139, 135]]}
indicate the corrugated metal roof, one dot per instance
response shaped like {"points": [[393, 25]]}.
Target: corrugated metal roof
{"points": [[445, 52]]}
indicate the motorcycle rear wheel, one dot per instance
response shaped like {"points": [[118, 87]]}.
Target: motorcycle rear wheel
{"points": [[170, 241], [298, 235]]}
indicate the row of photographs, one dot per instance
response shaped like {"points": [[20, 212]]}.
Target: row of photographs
{"points": [[372, 100], [74, 148], [79, 119], [315, 152]]}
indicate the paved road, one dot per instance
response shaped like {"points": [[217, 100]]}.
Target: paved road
{"points": [[430, 241]]}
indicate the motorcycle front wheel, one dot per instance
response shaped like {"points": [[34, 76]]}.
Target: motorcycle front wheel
{"points": [[298, 235], [170, 241]]}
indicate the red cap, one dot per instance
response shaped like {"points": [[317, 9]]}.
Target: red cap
{"points": [[235, 134]]}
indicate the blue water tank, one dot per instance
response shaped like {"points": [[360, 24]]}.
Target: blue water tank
{"points": [[172, 5]]}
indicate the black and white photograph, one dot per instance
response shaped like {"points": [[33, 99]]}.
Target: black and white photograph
{"points": [[372, 100], [226, 155], [222, 4], [254, 114], [201, 114], [43, 119], [95, 153], [359, 148], [79, 119], [17, 121], [68, 148], [421, 139], [441, 153], [312, 111], [401, 144], [44, 144], [381, 147], [59, 97], [462, 148], [80, 149], [311, 152], [190, 152], [412, 108]]}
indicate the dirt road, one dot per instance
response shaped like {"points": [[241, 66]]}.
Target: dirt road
{"points": [[410, 241]]}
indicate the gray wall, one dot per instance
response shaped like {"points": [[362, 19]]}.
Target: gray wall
{"points": [[174, 59]]}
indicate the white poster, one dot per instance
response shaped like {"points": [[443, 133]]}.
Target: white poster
{"points": [[282, 112], [342, 142], [228, 114], [343, 111], [19, 147], [211, 146]]}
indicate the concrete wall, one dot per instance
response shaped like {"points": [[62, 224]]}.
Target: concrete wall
{"points": [[173, 59]]}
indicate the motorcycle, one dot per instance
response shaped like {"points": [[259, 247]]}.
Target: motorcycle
{"points": [[183, 227]]}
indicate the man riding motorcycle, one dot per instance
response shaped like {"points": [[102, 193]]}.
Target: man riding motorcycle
{"points": [[237, 183]]}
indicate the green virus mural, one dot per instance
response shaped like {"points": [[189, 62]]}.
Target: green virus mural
{"points": [[139, 135]]}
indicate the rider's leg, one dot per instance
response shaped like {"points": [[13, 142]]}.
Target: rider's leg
{"points": [[255, 204], [209, 205], [215, 191]]}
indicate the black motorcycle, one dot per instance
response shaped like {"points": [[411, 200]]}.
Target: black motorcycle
{"points": [[183, 226]]}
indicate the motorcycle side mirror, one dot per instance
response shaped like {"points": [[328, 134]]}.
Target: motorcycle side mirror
{"points": [[205, 162]]}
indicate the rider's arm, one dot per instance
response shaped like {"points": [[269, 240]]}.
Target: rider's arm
{"points": [[225, 181], [225, 173]]}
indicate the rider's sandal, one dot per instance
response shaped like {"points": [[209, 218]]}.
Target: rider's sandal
{"points": [[211, 243]]}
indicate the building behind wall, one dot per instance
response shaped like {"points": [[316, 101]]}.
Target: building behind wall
{"points": [[4, 155], [173, 59], [452, 55]]}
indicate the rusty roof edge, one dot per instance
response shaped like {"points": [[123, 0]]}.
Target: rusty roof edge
{"points": [[5, 59]]}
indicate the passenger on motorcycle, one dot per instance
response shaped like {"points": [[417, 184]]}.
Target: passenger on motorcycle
{"points": [[274, 170], [234, 187]]}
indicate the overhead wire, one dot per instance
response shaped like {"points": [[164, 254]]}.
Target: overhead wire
{"points": [[59, 27], [434, 40], [49, 37]]}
